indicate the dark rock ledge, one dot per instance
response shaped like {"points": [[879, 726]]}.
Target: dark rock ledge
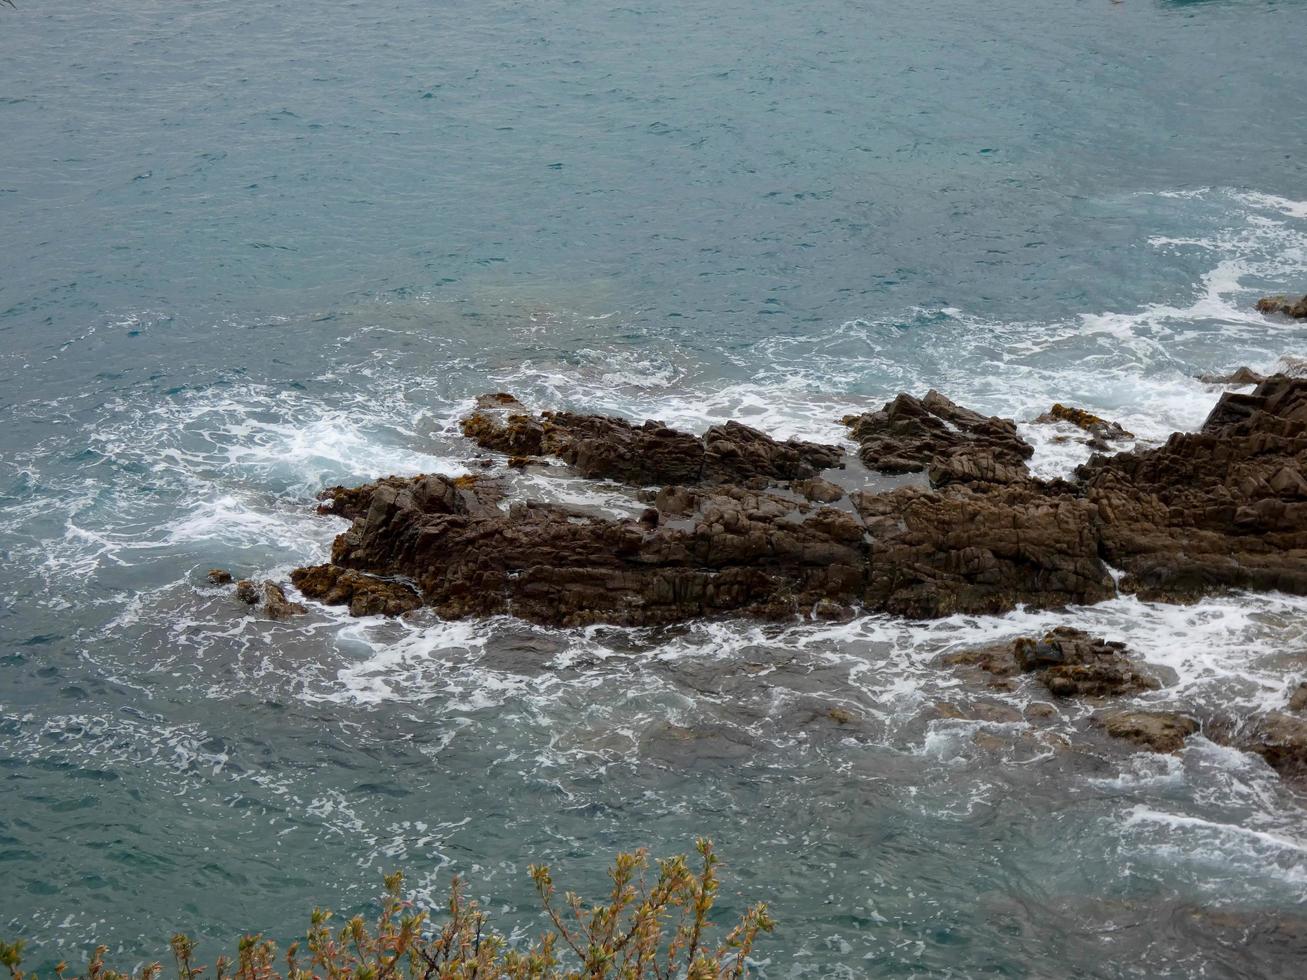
{"points": [[744, 524]]}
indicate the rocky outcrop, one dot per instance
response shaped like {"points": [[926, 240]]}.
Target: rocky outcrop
{"points": [[1290, 307], [1157, 731], [955, 444], [745, 524], [711, 551], [1224, 507], [366, 595], [1069, 662], [219, 576]]}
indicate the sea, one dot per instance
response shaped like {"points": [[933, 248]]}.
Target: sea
{"points": [[248, 251]]}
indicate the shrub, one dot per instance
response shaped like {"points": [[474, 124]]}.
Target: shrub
{"points": [[655, 929]]}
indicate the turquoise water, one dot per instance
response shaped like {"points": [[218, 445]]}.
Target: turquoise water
{"points": [[250, 251]]}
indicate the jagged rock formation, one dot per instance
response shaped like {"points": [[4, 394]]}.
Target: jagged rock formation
{"points": [[955, 444], [745, 524], [1224, 507]]}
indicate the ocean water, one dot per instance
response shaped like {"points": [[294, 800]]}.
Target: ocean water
{"points": [[252, 250]]}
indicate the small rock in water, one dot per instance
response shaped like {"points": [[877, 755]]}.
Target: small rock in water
{"points": [[219, 576], [1160, 731], [1239, 376], [1069, 662], [247, 592], [1296, 308], [1100, 428], [276, 603], [366, 595]]}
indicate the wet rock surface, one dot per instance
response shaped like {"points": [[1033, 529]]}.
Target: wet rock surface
{"points": [[276, 605], [1157, 731], [1298, 699], [1239, 376], [1102, 433], [598, 447], [746, 524], [1281, 739], [366, 595], [1290, 306], [1069, 662]]}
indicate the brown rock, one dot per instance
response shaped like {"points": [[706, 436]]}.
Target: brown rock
{"points": [[1098, 427], [219, 576], [1069, 662], [1160, 731], [970, 551], [910, 435], [651, 454], [818, 490], [1296, 308], [247, 592], [277, 605], [1280, 739], [365, 595], [1298, 699], [1224, 507], [996, 659], [1239, 376]]}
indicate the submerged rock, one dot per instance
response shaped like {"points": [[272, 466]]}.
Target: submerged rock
{"points": [[1291, 307], [1158, 731]]}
